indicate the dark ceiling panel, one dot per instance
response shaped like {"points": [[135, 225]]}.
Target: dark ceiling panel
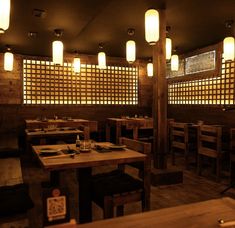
{"points": [[86, 23]]}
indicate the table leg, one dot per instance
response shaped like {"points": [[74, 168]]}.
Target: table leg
{"points": [[54, 178], [42, 141], [118, 132], [107, 132], [135, 133], [84, 196], [147, 184]]}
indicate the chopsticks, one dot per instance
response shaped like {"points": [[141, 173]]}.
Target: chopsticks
{"points": [[61, 156], [222, 223]]}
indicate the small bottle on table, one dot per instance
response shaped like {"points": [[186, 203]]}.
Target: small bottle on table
{"points": [[78, 142]]}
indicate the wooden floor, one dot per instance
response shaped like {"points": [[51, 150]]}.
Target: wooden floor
{"points": [[193, 189]]}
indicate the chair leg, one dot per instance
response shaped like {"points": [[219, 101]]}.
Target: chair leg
{"points": [[186, 157], [108, 207], [120, 210], [173, 156], [199, 164], [218, 167], [145, 203]]}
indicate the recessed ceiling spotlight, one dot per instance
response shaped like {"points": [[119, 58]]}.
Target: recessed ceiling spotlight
{"points": [[32, 34], [39, 13]]}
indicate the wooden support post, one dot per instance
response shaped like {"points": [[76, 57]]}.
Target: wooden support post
{"points": [[160, 97]]}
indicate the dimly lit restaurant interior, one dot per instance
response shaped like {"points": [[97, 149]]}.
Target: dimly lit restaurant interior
{"points": [[117, 113]]}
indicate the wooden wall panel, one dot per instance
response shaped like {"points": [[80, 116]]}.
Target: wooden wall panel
{"points": [[12, 112]]}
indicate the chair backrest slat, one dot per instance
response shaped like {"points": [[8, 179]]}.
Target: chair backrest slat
{"points": [[209, 136], [139, 146]]}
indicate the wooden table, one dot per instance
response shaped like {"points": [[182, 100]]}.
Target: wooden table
{"points": [[84, 163], [32, 124], [42, 135], [202, 214], [129, 123]]}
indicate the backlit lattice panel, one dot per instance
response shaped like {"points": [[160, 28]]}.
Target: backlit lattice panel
{"points": [[46, 83], [206, 91]]}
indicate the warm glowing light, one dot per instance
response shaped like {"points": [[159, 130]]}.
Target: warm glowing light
{"points": [[174, 62], [5, 7], [150, 69], [168, 48], [57, 52], [228, 48], [152, 26], [76, 65], [130, 51], [101, 60], [8, 61]]}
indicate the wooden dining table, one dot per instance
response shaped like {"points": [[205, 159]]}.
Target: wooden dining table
{"points": [[43, 134], [130, 123], [38, 123], [209, 214], [83, 163]]}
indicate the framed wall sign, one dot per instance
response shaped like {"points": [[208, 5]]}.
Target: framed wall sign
{"points": [[200, 63]]}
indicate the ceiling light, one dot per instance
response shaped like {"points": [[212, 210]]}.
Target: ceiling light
{"points": [[228, 44], [152, 26], [8, 60], [130, 47], [168, 44], [5, 7], [57, 49], [101, 59], [150, 69], [76, 64], [174, 62]]}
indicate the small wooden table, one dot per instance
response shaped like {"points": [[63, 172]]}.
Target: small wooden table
{"points": [[83, 163], [129, 123], [43, 134], [32, 124]]}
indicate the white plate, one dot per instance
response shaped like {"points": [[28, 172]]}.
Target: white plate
{"points": [[85, 150], [117, 146]]}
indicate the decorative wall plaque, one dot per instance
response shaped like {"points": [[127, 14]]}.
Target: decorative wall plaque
{"points": [[200, 63]]}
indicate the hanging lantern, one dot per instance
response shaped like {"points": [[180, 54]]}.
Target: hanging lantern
{"points": [[150, 69], [57, 52], [130, 51], [8, 61], [174, 62], [76, 65], [229, 48], [57, 49], [5, 7], [152, 26], [168, 48], [101, 60]]}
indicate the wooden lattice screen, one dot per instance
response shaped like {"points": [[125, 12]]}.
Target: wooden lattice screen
{"points": [[46, 83], [206, 91]]}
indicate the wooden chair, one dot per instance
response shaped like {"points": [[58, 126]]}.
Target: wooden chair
{"points": [[179, 140], [169, 122], [232, 160], [209, 145], [117, 188], [232, 156]]}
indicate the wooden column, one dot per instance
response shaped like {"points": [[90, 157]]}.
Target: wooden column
{"points": [[159, 109]]}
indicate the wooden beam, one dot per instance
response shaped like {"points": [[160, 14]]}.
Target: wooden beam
{"points": [[160, 97]]}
